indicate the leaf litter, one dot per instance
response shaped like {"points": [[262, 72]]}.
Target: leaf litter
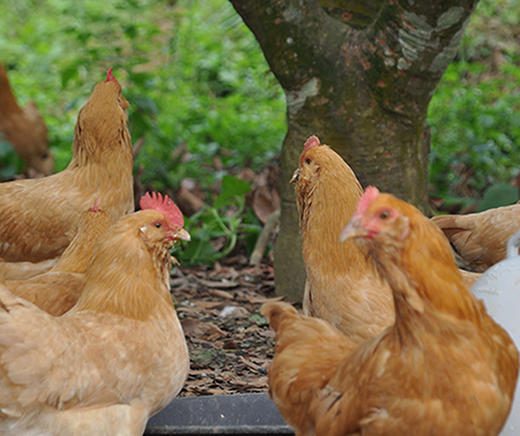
{"points": [[229, 341]]}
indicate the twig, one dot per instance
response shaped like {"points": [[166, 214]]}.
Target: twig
{"points": [[263, 238], [137, 146]]}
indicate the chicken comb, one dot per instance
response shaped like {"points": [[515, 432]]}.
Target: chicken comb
{"points": [[110, 76], [165, 205], [312, 141], [370, 194], [95, 208]]}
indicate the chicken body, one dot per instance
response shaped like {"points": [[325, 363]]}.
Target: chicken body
{"points": [[116, 358], [443, 367], [25, 129], [38, 217], [469, 277], [57, 290], [24, 270], [308, 352], [342, 284], [480, 239]]}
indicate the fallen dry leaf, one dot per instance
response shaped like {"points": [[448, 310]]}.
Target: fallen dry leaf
{"points": [[265, 202], [223, 284], [263, 300], [197, 328], [229, 354], [221, 294]]}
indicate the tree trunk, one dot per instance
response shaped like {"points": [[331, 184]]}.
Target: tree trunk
{"points": [[360, 78]]}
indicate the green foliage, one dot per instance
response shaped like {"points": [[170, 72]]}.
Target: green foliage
{"points": [[195, 79], [232, 188], [475, 132], [500, 194], [475, 112], [215, 230], [11, 164], [221, 101], [494, 25], [192, 72]]}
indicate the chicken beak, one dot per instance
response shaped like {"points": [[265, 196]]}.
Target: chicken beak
{"points": [[353, 229], [180, 234], [295, 176]]}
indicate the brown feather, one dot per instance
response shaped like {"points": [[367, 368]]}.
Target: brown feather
{"points": [[57, 290], [480, 239], [24, 128], [308, 352], [24, 270], [443, 367], [38, 217], [106, 365], [76, 257], [342, 286]]}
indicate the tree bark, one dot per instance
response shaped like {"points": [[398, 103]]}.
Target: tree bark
{"points": [[360, 77]]}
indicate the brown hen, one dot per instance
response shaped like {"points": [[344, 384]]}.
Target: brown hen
{"points": [[39, 217], [342, 285], [480, 239], [24, 129], [443, 367], [57, 290], [117, 357]]}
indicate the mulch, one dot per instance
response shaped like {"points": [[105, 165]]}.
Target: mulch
{"points": [[229, 341]]}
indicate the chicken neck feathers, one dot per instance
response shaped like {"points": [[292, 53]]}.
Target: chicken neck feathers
{"points": [[135, 296]]}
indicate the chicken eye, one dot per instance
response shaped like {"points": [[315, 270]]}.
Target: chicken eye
{"points": [[384, 215], [308, 161], [45, 155], [158, 225]]}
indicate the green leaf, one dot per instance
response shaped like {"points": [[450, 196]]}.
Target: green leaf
{"points": [[69, 73], [259, 320], [5, 147], [500, 194], [130, 30], [10, 162], [198, 251], [231, 187]]}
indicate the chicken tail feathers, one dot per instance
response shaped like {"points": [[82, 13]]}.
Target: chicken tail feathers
{"points": [[276, 311]]}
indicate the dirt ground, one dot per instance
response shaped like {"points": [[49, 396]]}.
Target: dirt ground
{"points": [[230, 343]]}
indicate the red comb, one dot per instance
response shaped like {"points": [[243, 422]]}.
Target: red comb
{"points": [[312, 141], [95, 208], [370, 194], [165, 205], [110, 76]]}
